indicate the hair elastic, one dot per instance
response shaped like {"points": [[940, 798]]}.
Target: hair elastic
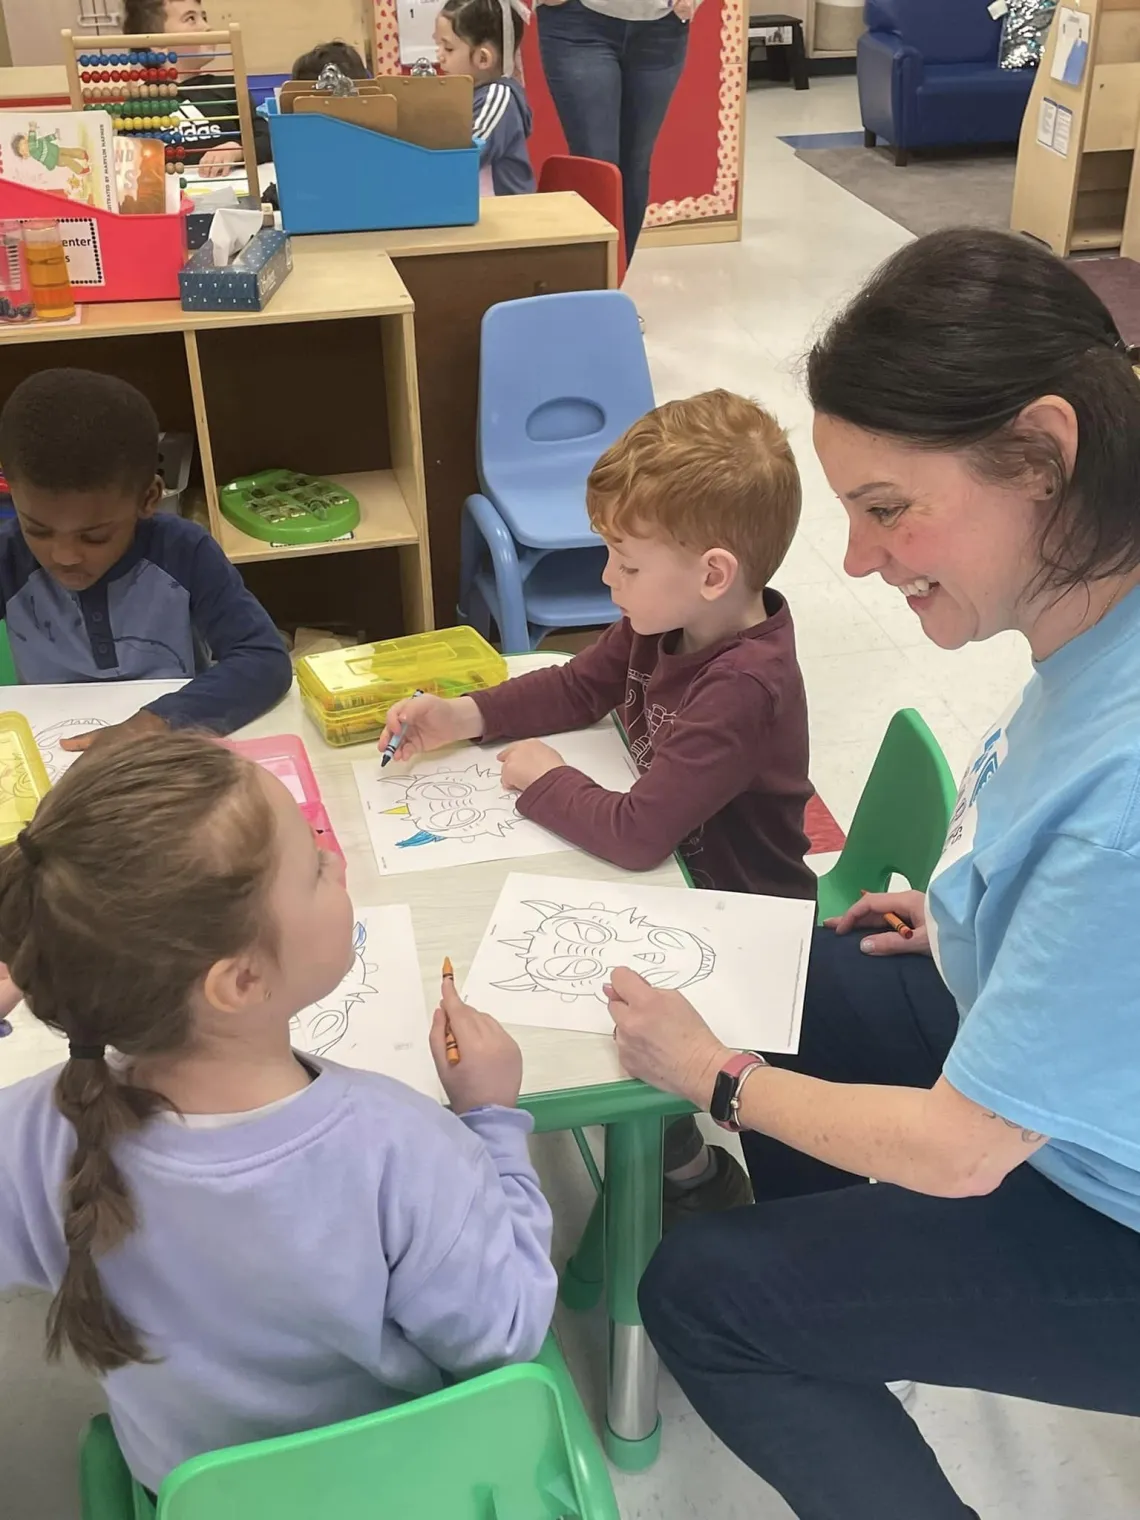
{"points": [[85, 1052], [29, 849]]}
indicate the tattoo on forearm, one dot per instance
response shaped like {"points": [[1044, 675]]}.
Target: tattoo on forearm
{"points": [[1029, 1136]]}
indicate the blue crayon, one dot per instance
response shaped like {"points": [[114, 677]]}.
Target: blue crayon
{"points": [[396, 740], [5, 1028]]}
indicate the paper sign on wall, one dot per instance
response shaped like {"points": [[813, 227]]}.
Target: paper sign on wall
{"points": [[1074, 31]]}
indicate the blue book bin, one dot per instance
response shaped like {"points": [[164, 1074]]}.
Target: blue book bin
{"points": [[333, 176]]}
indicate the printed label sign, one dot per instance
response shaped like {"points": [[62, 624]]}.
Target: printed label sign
{"points": [[80, 236]]}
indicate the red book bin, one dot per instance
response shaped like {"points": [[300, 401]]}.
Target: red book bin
{"points": [[109, 257]]}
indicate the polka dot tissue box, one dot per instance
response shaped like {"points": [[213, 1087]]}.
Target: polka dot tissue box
{"points": [[247, 283]]}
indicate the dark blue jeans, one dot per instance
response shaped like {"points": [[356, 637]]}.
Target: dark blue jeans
{"points": [[612, 82], [783, 1321]]}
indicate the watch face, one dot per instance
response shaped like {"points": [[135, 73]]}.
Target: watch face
{"points": [[723, 1091]]}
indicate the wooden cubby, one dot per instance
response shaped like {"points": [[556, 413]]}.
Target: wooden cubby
{"points": [[1086, 197], [325, 381]]}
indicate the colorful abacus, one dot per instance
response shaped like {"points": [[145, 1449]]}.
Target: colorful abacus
{"points": [[140, 90], [137, 80]]}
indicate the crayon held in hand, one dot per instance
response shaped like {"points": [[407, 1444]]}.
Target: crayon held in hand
{"points": [[451, 1044], [893, 921], [396, 740]]}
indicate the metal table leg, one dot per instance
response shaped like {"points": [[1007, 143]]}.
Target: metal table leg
{"points": [[632, 1233]]}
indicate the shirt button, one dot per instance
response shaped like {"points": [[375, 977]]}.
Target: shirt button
{"points": [[96, 617], [102, 649]]}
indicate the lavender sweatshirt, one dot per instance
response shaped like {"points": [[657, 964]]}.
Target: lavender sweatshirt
{"points": [[320, 1261]]}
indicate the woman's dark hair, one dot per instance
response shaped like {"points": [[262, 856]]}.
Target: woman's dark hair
{"points": [[479, 23], [144, 866], [947, 345], [311, 65]]}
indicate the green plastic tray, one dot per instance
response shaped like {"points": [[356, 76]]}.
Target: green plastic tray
{"points": [[283, 507]]}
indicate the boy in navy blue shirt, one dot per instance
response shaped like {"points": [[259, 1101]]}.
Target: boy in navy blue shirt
{"points": [[471, 39], [95, 586]]}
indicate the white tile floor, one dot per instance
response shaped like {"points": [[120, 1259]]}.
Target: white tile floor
{"points": [[741, 316]]}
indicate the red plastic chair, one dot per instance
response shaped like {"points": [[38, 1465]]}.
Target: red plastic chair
{"points": [[599, 185]]}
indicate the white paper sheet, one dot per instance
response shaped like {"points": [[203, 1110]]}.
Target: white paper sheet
{"points": [[553, 942], [415, 22], [64, 712], [449, 808], [376, 1018]]}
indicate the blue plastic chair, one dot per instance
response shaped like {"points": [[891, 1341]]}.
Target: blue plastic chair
{"points": [[560, 378]]}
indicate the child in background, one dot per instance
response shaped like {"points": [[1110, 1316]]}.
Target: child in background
{"points": [[472, 39], [210, 128], [313, 64], [242, 1242], [95, 585], [697, 503]]}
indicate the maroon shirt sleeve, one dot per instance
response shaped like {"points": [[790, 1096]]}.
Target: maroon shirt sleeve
{"points": [[574, 695], [708, 758]]}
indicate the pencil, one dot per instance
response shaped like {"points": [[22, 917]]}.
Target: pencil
{"points": [[893, 921], [451, 1043]]}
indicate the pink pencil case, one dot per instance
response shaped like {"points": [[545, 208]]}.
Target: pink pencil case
{"points": [[285, 757]]}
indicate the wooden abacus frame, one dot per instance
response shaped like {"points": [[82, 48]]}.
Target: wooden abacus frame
{"points": [[230, 39]]}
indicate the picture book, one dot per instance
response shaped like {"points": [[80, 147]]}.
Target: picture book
{"points": [[69, 152]]}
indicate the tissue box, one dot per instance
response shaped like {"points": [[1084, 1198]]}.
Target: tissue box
{"points": [[247, 284]]}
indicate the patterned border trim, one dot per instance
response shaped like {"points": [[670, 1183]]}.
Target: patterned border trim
{"points": [[722, 201]]}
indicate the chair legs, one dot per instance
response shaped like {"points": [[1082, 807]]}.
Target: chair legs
{"points": [[482, 527], [902, 158], [869, 138]]}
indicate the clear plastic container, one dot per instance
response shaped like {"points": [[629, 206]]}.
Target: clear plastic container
{"points": [[47, 271], [24, 780], [285, 756], [347, 692]]}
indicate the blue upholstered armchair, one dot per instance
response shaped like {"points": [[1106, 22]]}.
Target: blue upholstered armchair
{"points": [[929, 76]]}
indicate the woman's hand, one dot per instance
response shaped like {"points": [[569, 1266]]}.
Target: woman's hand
{"points": [[490, 1063], [868, 913], [432, 723], [219, 161], [662, 1039]]}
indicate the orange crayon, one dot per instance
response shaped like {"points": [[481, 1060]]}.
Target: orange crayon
{"points": [[893, 921], [450, 1042]]}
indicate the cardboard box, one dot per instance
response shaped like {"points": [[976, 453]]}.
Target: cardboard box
{"points": [[246, 284]]}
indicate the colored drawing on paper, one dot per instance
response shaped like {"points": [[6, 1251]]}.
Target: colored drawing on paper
{"points": [[321, 1028], [573, 951], [457, 805]]}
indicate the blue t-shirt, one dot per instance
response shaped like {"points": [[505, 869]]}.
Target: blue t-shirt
{"points": [[1034, 912]]}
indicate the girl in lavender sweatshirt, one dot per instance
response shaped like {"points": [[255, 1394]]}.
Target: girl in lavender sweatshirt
{"points": [[242, 1242]]}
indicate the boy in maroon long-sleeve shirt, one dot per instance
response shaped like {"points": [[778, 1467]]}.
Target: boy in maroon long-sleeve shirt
{"points": [[698, 503]]}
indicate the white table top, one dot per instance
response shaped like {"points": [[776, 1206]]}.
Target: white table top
{"points": [[450, 909]]}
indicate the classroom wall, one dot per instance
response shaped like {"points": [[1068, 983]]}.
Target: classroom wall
{"points": [[34, 26], [276, 32]]}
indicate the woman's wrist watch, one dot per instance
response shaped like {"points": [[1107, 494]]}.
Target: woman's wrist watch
{"points": [[730, 1080]]}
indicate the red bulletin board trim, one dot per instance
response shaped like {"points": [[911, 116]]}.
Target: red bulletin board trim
{"points": [[696, 166]]}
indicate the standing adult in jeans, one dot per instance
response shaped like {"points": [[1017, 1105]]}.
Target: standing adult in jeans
{"points": [[612, 67], [978, 416]]}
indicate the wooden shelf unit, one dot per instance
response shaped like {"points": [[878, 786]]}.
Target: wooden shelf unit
{"points": [[1085, 198], [324, 380]]}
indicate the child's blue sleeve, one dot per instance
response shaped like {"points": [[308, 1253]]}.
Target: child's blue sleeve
{"points": [[474, 1287], [489, 117], [252, 669]]}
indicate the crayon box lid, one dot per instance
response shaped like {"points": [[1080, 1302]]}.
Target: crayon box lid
{"points": [[447, 662]]}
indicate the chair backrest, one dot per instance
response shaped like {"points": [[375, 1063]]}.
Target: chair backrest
{"points": [[943, 31], [599, 185], [495, 1448], [901, 821], [560, 378]]}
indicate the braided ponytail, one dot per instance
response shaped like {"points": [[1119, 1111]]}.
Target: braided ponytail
{"points": [[143, 867]]}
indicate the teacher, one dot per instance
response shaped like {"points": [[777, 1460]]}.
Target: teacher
{"points": [[978, 417], [612, 67]]}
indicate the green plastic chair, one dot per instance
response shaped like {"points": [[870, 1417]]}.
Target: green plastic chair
{"points": [[901, 821], [510, 1445], [8, 676]]}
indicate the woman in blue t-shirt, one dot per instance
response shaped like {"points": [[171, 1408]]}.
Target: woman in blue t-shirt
{"points": [[978, 416]]}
